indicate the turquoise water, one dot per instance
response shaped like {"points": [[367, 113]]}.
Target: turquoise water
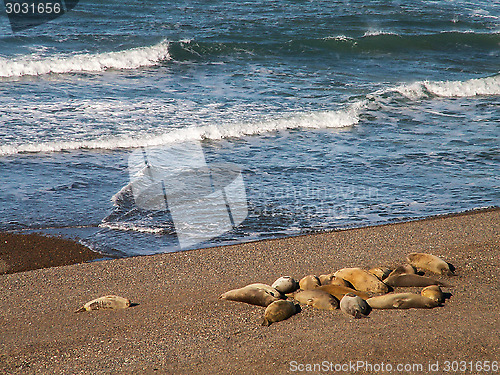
{"points": [[338, 114]]}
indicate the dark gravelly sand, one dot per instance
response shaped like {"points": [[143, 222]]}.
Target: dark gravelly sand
{"points": [[181, 327], [26, 252]]}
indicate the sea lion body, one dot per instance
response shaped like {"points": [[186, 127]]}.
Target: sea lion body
{"points": [[333, 280], [407, 280], [339, 291], [362, 280], [405, 269], [110, 302], [401, 301], [285, 285], [429, 262], [318, 299], [326, 279], [254, 294], [309, 282], [278, 311], [380, 272], [433, 292], [354, 305]]}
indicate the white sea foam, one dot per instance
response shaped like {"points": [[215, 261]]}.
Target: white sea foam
{"points": [[123, 226], [318, 120], [132, 58], [341, 38], [450, 89], [377, 32], [348, 116]]}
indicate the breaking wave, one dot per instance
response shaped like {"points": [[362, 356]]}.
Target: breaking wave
{"points": [[34, 65], [348, 116]]}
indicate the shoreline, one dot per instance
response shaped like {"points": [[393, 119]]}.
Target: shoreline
{"points": [[180, 326], [50, 251]]}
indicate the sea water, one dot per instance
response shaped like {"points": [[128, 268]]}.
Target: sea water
{"points": [[337, 114]]}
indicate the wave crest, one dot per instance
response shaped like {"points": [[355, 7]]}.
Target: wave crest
{"points": [[348, 116], [127, 59]]}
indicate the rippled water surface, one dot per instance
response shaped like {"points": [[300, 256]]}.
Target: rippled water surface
{"points": [[337, 114]]}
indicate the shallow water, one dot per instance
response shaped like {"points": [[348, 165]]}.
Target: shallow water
{"points": [[337, 114]]}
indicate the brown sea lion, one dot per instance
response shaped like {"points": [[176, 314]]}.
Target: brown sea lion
{"points": [[278, 311], [407, 280], [362, 280], [339, 291], [354, 305], [433, 292], [254, 294], [309, 282], [333, 280], [318, 299], [405, 269], [105, 303], [325, 279], [429, 262], [380, 272], [401, 301]]}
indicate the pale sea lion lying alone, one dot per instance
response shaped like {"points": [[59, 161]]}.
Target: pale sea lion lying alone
{"points": [[362, 280], [354, 305], [430, 263], [278, 311], [105, 303], [401, 301], [317, 299], [254, 294]]}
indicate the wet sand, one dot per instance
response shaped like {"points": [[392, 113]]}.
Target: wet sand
{"points": [[181, 327], [26, 252]]}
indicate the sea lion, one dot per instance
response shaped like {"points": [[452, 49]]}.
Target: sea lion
{"points": [[406, 280], [362, 280], [285, 284], [432, 263], [309, 282], [254, 294], [339, 291], [405, 269], [105, 303], [333, 280], [325, 279], [401, 301], [354, 305], [318, 299], [433, 292], [380, 272], [278, 311]]}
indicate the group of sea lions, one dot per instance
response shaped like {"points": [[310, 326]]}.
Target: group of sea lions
{"points": [[355, 291]]}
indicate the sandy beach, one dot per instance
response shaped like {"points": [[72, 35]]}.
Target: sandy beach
{"points": [[180, 326]]}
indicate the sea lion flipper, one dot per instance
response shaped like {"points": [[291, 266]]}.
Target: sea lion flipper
{"points": [[265, 322], [398, 303], [81, 309]]}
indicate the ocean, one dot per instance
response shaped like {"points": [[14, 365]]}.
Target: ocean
{"points": [[141, 127]]}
